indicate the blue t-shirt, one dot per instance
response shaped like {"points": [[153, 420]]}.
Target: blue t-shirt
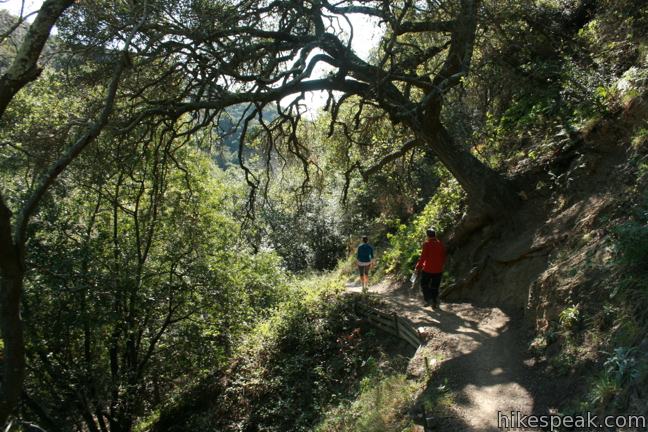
{"points": [[365, 253]]}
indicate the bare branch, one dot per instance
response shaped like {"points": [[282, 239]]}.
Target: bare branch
{"points": [[15, 26], [409, 145]]}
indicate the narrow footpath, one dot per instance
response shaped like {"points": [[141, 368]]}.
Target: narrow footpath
{"points": [[480, 354]]}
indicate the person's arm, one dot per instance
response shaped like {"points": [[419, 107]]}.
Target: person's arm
{"points": [[421, 260]]}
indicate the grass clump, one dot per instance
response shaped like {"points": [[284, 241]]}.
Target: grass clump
{"points": [[381, 406]]}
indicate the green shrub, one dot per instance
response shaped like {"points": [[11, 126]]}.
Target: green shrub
{"points": [[380, 407], [622, 366], [442, 212], [621, 371], [568, 318], [310, 355]]}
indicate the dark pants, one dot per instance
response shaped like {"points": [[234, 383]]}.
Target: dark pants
{"points": [[430, 283]]}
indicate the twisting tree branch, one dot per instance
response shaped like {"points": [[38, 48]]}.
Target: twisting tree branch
{"points": [[12, 264], [24, 69]]}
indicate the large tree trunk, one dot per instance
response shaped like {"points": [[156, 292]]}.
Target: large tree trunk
{"points": [[489, 194], [12, 335], [11, 282], [23, 70]]}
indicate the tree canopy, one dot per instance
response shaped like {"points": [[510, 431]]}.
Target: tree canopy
{"points": [[112, 115], [179, 66]]}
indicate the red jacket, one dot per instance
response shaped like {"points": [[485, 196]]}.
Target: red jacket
{"points": [[433, 256]]}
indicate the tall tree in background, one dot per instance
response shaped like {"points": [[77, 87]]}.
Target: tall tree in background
{"points": [[13, 233]]}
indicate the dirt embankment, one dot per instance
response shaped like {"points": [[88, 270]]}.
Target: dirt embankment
{"points": [[554, 252]]}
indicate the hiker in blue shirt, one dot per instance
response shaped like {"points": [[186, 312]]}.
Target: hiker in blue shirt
{"points": [[365, 257]]}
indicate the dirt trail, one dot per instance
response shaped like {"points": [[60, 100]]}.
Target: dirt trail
{"points": [[479, 354]]}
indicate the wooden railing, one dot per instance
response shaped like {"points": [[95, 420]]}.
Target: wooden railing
{"points": [[402, 329], [391, 323]]}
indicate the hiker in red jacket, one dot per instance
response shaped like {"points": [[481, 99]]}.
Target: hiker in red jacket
{"points": [[433, 256]]}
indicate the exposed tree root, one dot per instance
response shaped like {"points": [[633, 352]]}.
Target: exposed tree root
{"points": [[532, 251], [469, 225]]}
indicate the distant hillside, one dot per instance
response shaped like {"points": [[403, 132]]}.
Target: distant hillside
{"points": [[11, 35], [10, 39], [230, 127]]}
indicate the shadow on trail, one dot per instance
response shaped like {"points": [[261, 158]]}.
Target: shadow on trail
{"points": [[462, 320], [484, 367], [487, 376]]}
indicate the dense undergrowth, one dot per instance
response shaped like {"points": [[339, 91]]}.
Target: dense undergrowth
{"points": [[240, 350], [605, 340], [288, 376], [442, 212], [299, 368]]}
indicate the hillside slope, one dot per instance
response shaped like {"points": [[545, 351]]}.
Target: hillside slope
{"points": [[566, 197], [559, 260]]}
